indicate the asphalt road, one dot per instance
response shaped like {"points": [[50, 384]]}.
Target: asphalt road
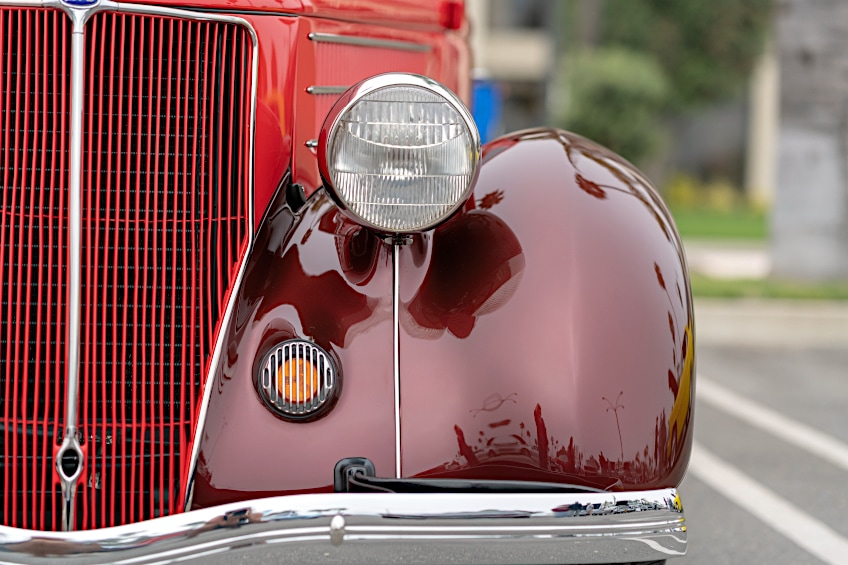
{"points": [[768, 482]]}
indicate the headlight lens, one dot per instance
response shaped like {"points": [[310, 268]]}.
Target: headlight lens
{"points": [[400, 152]]}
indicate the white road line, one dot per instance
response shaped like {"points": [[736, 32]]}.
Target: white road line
{"points": [[771, 421], [804, 530]]}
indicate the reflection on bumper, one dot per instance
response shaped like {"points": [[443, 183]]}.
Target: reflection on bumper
{"points": [[381, 528]]}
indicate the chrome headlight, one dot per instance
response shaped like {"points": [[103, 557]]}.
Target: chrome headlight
{"points": [[399, 152]]}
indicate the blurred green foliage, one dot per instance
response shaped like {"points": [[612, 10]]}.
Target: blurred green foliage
{"points": [[683, 191], [629, 63], [706, 48], [614, 96]]}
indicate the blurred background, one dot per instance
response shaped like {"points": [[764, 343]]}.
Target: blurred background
{"points": [[738, 111]]}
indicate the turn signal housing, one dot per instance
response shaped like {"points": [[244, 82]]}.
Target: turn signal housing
{"points": [[298, 380], [399, 153]]}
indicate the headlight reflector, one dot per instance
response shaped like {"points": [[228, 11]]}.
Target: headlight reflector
{"points": [[400, 152]]}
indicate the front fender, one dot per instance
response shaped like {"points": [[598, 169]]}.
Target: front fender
{"points": [[547, 330], [545, 335]]}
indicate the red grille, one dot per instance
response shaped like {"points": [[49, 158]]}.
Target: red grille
{"points": [[34, 122], [164, 219]]}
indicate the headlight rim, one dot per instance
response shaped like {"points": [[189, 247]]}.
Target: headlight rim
{"points": [[373, 84]]}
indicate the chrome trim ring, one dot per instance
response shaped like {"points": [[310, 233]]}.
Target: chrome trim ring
{"points": [[307, 393], [352, 202]]}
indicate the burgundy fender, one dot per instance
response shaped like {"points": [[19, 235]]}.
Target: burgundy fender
{"points": [[546, 334], [547, 331], [314, 275]]}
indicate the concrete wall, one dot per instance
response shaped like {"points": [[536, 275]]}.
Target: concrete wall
{"points": [[810, 215]]}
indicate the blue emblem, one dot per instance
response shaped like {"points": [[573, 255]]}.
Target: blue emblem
{"points": [[80, 3]]}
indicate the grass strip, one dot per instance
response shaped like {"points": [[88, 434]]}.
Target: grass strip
{"points": [[740, 223], [705, 286]]}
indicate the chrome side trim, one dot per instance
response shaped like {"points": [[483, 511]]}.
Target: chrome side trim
{"points": [[368, 42], [396, 321], [381, 528], [319, 90]]}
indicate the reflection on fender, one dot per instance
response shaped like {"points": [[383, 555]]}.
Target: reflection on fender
{"points": [[554, 299]]}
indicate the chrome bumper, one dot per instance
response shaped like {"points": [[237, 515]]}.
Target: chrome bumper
{"points": [[383, 528]]}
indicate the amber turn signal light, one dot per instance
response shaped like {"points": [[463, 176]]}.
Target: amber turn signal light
{"points": [[299, 381]]}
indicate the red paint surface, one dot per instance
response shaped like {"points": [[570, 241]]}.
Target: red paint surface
{"points": [[406, 13], [274, 107], [564, 287]]}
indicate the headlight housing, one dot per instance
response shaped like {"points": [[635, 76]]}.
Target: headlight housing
{"points": [[399, 153]]}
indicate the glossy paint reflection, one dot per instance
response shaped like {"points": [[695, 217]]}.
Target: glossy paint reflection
{"points": [[315, 276], [583, 371], [467, 276]]}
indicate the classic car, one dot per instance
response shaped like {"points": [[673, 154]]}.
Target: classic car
{"points": [[266, 297]]}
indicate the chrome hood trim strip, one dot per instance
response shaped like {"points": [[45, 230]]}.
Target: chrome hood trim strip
{"points": [[70, 442], [378, 528], [368, 42]]}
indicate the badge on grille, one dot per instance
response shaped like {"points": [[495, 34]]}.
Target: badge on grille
{"points": [[80, 3]]}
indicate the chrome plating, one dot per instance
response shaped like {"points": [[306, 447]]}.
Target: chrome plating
{"points": [[396, 321], [440, 528], [321, 90], [74, 298], [368, 42]]}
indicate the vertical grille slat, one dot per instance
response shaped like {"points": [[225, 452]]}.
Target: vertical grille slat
{"points": [[165, 161]]}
